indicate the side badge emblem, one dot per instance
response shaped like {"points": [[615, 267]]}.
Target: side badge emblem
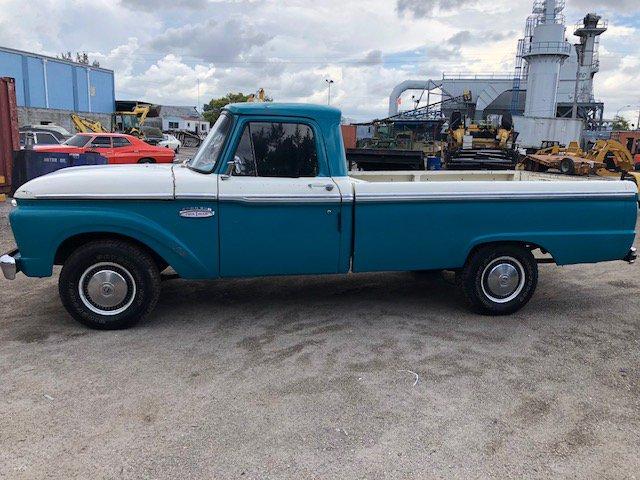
{"points": [[197, 212]]}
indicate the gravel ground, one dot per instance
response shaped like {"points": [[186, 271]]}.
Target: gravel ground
{"points": [[185, 153], [310, 377]]}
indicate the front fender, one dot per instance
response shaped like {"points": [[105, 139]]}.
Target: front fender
{"points": [[189, 246]]}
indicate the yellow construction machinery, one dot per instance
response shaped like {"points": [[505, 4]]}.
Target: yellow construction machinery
{"points": [[481, 144], [607, 158], [257, 97], [84, 125], [130, 122], [122, 122]]}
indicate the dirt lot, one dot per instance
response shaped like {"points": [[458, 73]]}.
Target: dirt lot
{"points": [[185, 153], [310, 378]]}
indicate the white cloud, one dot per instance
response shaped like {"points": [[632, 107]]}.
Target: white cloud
{"points": [[160, 49]]}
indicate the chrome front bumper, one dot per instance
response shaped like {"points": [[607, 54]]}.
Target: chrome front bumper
{"points": [[9, 265]]}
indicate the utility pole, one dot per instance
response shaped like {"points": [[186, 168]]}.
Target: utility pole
{"points": [[329, 82], [638, 124], [617, 115], [198, 107]]}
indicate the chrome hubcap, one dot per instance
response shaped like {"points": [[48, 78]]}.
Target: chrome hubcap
{"points": [[107, 288], [503, 279]]}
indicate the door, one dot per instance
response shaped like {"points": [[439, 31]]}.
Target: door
{"points": [[102, 144], [123, 151], [279, 209]]}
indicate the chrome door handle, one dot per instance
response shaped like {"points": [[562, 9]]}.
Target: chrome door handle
{"points": [[327, 186]]}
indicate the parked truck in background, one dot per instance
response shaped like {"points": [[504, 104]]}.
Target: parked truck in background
{"points": [[268, 193]]}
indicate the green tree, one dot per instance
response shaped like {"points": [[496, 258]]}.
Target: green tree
{"points": [[211, 110], [620, 123]]}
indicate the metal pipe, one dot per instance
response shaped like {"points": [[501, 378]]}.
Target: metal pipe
{"points": [[574, 112], [89, 89], [46, 87], [399, 89]]}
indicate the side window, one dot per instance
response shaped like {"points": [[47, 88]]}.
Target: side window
{"points": [[101, 142], [278, 150], [244, 158], [120, 142], [45, 139]]}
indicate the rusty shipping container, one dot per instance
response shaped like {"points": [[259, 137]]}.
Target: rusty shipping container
{"points": [[349, 135], [9, 137]]}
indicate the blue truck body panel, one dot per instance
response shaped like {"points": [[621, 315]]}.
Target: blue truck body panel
{"points": [[190, 247], [440, 235], [278, 239]]}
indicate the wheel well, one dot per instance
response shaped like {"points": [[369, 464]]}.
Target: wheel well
{"points": [[147, 160], [67, 247], [529, 245]]}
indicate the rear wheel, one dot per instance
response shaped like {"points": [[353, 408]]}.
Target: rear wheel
{"points": [[567, 166], [109, 284], [499, 279], [146, 160]]}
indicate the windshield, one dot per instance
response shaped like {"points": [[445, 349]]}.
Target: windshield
{"points": [[209, 151], [78, 140]]}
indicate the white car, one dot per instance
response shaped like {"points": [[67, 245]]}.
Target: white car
{"points": [[171, 142]]}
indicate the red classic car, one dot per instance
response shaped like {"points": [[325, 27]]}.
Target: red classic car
{"points": [[116, 147]]}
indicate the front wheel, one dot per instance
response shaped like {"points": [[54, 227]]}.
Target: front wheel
{"points": [[499, 279], [109, 284]]}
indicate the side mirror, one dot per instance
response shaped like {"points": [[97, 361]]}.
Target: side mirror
{"points": [[231, 168]]}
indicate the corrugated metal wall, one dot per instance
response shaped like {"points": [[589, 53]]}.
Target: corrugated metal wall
{"points": [[9, 137], [44, 82]]}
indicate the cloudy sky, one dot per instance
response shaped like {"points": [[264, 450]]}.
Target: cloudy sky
{"points": [[161, 49]]}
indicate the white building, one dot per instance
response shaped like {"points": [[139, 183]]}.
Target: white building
{"points": [[182, 118]]}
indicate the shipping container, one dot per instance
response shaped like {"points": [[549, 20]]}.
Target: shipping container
{"points": [[349, 135], [9, 137], [630, 139]]}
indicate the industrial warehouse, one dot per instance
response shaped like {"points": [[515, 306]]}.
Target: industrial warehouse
{"points": [[267, 240]]}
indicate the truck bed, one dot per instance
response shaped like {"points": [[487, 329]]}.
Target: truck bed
{"points": [[398, 216], [470, 176]]}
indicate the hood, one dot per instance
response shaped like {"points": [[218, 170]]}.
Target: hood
{"points": [[135, 182]]}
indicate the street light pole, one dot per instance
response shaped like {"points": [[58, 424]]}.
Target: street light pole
{"points": [[329, 82], [620, 109]]}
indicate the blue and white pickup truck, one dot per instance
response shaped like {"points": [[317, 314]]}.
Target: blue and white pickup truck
{"points": [[268, 193]]}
